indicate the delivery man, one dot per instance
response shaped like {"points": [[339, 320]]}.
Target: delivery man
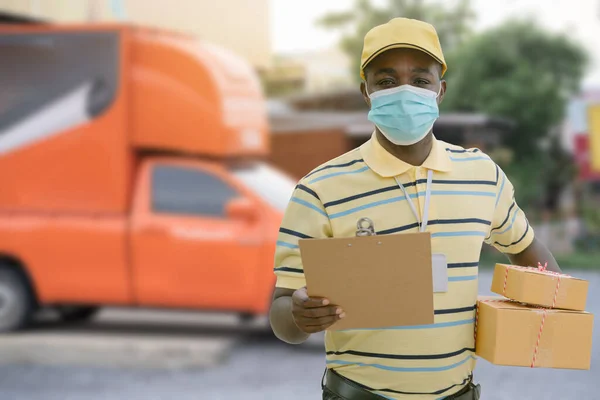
{"points": [[402, 179]]}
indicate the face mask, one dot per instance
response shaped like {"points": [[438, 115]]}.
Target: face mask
{"points": [[404, 114]]}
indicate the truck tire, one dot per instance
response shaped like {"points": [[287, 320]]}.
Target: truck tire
{"points": [[16, 302], [74, 314], [246, 318]]}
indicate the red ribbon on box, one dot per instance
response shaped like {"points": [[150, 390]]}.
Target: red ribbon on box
{"points": [[542, 269], [537, 344]]}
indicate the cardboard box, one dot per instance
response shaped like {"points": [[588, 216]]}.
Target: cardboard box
{"points": [[542, 288], [510, 333]]}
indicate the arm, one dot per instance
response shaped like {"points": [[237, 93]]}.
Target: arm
{"points": [[294, 315], [510, 232], [282, 320], [533, 254]]}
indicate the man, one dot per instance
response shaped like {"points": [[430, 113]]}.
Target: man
{"points": [[386, 179]]}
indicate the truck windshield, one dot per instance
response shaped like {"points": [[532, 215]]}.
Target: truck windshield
{"points": [[273, 186]]}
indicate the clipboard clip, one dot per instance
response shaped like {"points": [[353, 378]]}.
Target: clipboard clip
{"points": [[365, 227]]}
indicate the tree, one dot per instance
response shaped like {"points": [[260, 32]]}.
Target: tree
{"points": [[524, 73], [559, 171], [518, 71], [452, 23]]}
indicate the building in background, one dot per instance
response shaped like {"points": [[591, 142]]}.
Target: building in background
{"points": [[582, 133], [241, 26], [326, 70], [582, 137], [285, 76], [309, 130], [313, 72]]}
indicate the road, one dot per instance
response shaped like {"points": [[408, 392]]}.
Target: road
{"points": [[259, 367]]}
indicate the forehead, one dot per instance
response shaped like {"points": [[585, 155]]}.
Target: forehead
{"points": [[403, 58]]}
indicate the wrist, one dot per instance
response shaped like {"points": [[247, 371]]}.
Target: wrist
{"points": [[284, 324]]}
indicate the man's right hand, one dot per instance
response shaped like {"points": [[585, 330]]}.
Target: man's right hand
{"points": [[314, 314]]}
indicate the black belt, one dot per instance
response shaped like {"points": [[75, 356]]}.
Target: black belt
{"points": [[350, 390]]}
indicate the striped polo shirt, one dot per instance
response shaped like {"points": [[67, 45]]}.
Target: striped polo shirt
{"points": [[472, 202]]}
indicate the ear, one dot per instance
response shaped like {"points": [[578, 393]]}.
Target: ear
{"points": [[363, 90], [442, 92]]}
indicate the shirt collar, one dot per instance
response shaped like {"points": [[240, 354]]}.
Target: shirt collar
{"points": [[388, 165]]}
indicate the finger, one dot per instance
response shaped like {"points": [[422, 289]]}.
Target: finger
{"points": [[323, 321], [317, 322], [326, 323], [301, 298], [316, 302], [320, 312], [317, 329]]}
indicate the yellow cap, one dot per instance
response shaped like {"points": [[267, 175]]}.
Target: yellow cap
{"points": [[402, 33]]}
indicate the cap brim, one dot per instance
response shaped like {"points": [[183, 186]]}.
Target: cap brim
{"points": [[401, 46]]}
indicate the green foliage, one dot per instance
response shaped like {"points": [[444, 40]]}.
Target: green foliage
{"points": [[540, 177], [527, 179], [518, 71], [452, 23], [590, 213], [559, 170], [578, 260], [590, 240]]}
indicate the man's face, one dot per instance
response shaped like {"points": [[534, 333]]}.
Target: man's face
{"points": [[398, 67]]}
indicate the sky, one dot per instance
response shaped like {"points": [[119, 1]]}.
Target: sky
{"points": [[293, 26]]}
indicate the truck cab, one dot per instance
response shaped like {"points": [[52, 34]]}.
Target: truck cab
{"points": [[134, 174], [201, 232]]}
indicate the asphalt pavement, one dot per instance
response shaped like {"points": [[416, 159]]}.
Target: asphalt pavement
{"points": [[259, 367]]}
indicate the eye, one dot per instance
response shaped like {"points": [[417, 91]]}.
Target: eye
{"points": [[421, 82], [386, 82]]}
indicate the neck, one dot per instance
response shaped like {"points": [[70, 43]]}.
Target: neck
{"points": [[415, 154]]}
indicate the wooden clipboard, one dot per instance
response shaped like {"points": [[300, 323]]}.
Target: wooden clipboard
{"points": [[379, 281]]}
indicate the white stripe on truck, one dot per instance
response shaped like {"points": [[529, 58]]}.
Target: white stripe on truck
{"points": [[64, 113]]}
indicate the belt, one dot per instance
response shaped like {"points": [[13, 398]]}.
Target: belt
{"points": [[350, 390]]}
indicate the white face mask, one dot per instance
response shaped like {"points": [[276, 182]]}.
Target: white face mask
{"points": [[404, 114]]}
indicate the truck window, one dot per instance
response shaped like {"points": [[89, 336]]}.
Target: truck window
{"points": [[52, 82], [180, 190], [271, 185]]}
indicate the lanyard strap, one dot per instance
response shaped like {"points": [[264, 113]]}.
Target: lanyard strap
{"points": [[423, 224]]}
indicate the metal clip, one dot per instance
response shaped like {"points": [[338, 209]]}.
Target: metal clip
{"points": [[362, 230]]}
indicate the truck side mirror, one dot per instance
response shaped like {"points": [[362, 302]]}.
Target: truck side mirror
{"points": [[241, 209]]}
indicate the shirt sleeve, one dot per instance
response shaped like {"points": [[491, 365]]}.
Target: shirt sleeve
{"points": [[510, 231], [304, 218]]}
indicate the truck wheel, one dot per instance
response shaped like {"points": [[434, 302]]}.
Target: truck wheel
{"points": [[77, 313], [16, 303], [246, 318]]}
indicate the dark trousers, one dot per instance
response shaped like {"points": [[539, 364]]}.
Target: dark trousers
{"points": [[329, 395], [339, 384]]}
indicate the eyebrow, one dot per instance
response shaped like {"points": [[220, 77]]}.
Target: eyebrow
{"points": [[392, 71], [422, 70]]}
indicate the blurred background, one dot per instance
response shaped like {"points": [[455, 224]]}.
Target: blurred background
{"points": [[523, 86]]}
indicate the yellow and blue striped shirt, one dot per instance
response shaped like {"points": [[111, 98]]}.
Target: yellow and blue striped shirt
{"points": [[472, 202]]}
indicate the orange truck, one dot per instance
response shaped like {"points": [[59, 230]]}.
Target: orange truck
{"points": [[132, 174]]}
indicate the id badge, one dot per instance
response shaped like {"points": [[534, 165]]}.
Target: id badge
{"points": [[440, 273]]}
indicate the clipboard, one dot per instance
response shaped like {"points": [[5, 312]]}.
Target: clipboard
{"points": [[379, 281]]}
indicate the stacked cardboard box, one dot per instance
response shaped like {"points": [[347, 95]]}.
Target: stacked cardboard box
{"points": [[539, 323], [539, 287]]}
